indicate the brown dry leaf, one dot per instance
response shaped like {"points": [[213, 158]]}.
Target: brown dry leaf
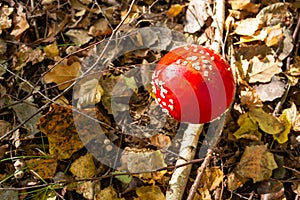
{"points": [[266, 122], [133, 15], [58, 125], [245, 5], [149, 193], [161, 141], [20, 23], [174, 10], [4, 127], [248, 129], [83, 167], [257, 36], [45, 168], [63, 72], [234, 181], [275, 35], [78, 36], [88, 92], [250, 98], [5, 21], [248, 26], [262, 70], [25, 55], [100, 28], [51, 50], [196, 15], [107, 194], [256, 163]]}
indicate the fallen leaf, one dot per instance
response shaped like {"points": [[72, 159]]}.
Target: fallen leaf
{"points": [[266, 122], [20, 23], [100, 28], [78, 36], [174, 10], [83, 167], [63, 72], [45, 168], [271, 190], [88, 92], [5, 21], [262, 70], [248, 26], [107, 194], [250, 98], [24, 111], [25, 55], [256, 163], [126, 179], [245, 5], [4, 127], [282, 137], [270, 91], [248, 129], [58, 125], [275, 35], [161, 141], [51, 50], [196, 15], [149, 193]]}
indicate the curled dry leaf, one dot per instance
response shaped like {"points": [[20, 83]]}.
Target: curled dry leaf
{"points": [[5, 21], [250, 98], [270, 91], [63, 74], [262, 70], [20, 23], [256, 163]]}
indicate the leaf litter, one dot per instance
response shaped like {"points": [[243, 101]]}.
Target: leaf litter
{"points": [[259, 143]]}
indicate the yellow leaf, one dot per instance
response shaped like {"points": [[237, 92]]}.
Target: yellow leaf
{"points": [[266, 122], [175, 10], [248, 129], [63, 73], [45, 168], [283, 136], [107, 194], [83, 167], [149, 193], [51, 50]]}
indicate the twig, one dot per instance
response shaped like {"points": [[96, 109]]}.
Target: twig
{"points": [[200, 171]]}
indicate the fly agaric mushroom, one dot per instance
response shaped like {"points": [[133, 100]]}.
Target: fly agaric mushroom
{"points": [[193, 84]]}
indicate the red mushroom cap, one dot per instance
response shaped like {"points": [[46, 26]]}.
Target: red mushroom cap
{"points": [[193, 84]]}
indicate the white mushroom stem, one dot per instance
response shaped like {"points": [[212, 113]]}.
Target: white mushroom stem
{"points": [[187, 152]]}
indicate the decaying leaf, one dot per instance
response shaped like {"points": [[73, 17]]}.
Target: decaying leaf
{"points": [[78, 36], [63, 74], [83, 167], [244, 5], [196, 15], [58, 125], [89, 92], [270, 91], [5, 21], [107, 194], [262, 70], [248, 129], [266, 122], [25, 55], [24, 111], [282, 137], [250, 98], [51, 50], [174, 10], [248, 26], [45, 168], [149, 193], [161, 141], [271, 190], [20, 22], [210, 180], [256, 163], [100, 28]]}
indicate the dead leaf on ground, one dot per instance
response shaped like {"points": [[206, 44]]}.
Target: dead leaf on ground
{"points": [[26, 54], [83, 167], [262, 70], [174, 10], [63, 72], [149, 193], [266, 122], [78, 36], [107, 194], [270, 91], [58, 125], [45, 168], [256, 163], [248, 129], [5, 21], [20, 22]]}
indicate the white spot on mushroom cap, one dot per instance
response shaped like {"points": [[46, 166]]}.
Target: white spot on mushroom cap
{"points": [[178, 62], [192, 58], [205, 73], [171, 101], [171, 107], [164, 103]]}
